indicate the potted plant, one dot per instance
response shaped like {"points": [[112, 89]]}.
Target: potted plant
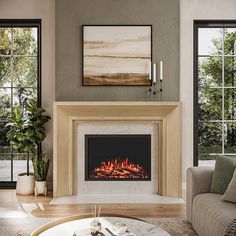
{"points": [[26, 134], [40, 165], [20, 135]]}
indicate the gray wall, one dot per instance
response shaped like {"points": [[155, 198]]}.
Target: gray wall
{"points": [[70, 15]]}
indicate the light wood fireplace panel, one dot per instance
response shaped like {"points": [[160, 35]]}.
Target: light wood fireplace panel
{"points": [[67, 114]]}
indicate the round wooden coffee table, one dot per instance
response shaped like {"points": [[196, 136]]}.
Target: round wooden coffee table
{"points": [[79, 226]]}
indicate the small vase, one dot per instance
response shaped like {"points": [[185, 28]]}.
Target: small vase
{"points": [[95, 227]]}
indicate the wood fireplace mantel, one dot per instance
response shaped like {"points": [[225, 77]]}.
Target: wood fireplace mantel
{"points": [[67, 114]]}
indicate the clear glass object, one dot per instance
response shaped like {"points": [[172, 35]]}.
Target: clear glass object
{"points": [[95, 227]]}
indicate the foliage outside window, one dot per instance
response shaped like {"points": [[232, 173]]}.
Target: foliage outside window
{"points": [[19, 81], [215, 70]]}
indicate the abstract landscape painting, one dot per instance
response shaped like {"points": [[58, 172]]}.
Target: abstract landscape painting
{"points": [[117, 55]]}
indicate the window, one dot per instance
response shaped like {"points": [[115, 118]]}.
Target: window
{"points": [[19, 80], [214, 90]]}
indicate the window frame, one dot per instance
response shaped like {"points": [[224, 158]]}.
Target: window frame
{"points": [[196, 25], [18, 23]]}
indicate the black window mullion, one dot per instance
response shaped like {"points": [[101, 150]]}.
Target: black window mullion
{"points": [[39, 90], [12, 155], [195, 100], [12, 61]]}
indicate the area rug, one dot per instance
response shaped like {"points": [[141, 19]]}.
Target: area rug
{"points": [[24, 226], [174, 226]]}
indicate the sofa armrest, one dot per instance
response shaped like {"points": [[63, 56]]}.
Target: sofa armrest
{"points": [[198, 181]]}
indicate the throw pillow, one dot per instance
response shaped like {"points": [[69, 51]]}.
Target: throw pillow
{"points": [[231, 229], [223, 173], [230, 193]]}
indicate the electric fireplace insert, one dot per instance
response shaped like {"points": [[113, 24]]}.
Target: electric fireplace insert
{"points": [[118, 157]]}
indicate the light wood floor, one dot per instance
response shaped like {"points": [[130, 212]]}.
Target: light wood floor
{"points": [[12, 206]]}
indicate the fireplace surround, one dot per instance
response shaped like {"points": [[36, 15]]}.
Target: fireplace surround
{"points": [[166, 114], [120, 128]]}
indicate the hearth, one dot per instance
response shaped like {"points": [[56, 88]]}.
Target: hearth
{"points": [[118, 157]]}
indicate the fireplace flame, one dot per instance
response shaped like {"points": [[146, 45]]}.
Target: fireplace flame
{"points": [[119, 169]]}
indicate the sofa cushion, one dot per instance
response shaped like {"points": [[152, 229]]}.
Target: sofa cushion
{"points": [[230, 193], [211, 215], [223, 173], [231, 229]]}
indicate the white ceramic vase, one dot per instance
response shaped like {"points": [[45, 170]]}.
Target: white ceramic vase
{"points": [[25, 184]]}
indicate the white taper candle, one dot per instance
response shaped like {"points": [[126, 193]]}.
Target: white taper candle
{"points": [[154, 73], [150, 70], [161, 70]]}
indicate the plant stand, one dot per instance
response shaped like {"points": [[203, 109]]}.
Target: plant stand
{"points": [[40, 188], [36, 192]]}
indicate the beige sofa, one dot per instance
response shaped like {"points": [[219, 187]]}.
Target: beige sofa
{"points": [[209, 215]]}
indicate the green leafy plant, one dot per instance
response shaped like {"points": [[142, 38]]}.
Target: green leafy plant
{"points": [[27, 129], [20, 134], [36, 121], [41, 165]]}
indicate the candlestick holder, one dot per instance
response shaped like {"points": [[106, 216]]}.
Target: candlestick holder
{"points": [[161, 89], [154, 92], [150, 93]]}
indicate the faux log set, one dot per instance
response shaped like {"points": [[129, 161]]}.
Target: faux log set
{"points": [[119, 169]]}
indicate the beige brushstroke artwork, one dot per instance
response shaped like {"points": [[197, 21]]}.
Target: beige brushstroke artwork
{"points": [[117, 55]]}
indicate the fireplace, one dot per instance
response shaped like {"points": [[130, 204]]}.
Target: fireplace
{"points": [[73, 120], [118, 157]]}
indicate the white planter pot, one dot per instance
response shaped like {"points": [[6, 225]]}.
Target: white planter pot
{"points": [[25, 184], [40, 187]]}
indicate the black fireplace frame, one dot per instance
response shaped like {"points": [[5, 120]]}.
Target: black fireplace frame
{"points": [[148, 170]]}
